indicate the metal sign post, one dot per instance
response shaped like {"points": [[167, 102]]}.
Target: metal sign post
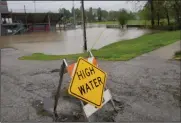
{"points": [[61, 73]]}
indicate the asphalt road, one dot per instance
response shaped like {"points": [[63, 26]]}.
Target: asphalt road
{"points": [[146, 88]]}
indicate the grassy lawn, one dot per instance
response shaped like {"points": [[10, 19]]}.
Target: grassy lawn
{"points": [[177, 55], [136, 22], [130, 22], [122, 50], [139, 22], [106, 22]]}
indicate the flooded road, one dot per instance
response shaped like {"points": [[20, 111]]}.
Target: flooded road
{"points": [[68, 41]]}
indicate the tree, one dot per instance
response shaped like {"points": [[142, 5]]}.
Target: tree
{"points": [[99, 14], [152, 13], [123, 17], [158, 11], [65, 13], [78, 14], [113, 15], [86, 16], [173, 7], [104, 14], [72, 11], [132, 16], [90, 15], [161, 9], [177, 6], [150, 5], [65, 16], [166, 7]]}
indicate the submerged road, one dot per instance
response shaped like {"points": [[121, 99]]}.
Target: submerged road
{"points": [[146, 88]]}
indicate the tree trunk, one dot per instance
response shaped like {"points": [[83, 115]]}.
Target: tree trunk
{"points": [[177, 11], [167, 15], [158, 18], [64, 25], [152, 14], [59, 25]]}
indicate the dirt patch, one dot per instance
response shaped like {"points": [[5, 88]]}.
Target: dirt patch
{"points": [[55, 70], [62, 117]]}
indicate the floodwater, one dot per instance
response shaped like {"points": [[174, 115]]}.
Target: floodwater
{"points": [[68, 41]]}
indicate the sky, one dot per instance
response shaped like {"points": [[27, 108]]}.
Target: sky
{"points": [[53, 6]]}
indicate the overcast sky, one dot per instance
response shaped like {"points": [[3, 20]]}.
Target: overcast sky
{"points": [[45, 6]]}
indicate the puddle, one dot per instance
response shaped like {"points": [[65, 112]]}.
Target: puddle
{"points": [[70, 109], [45, 108], [42, 109]]}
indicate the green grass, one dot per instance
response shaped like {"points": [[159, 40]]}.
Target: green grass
{"points": [[130, 22], [136, 22], [177, 55], [122, 50], [106, 22], [44, 57], [139, 22]]}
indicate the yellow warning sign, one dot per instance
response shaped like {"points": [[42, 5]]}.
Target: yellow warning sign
{"points": [[88, 83]]}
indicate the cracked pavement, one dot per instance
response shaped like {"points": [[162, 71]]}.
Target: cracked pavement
{"points": [[146, 88]]}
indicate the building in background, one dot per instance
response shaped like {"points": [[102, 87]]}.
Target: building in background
{"points": [[13, 23], [3, 10], [3, 7]]}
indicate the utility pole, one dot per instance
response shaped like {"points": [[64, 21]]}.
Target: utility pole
{"points": [[84, 29], [11, 16], [0, 23], [49, 23], [26, 15], [35, 6], [25, 9]]}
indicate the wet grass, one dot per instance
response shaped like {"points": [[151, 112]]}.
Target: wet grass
{"points": [[121, 50], [136, 22], [177, 55], [44, 57], [130, 22], [106, 22]]}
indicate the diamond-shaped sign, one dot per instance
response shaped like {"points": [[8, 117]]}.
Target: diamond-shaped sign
{"points": [[88, 83]]}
